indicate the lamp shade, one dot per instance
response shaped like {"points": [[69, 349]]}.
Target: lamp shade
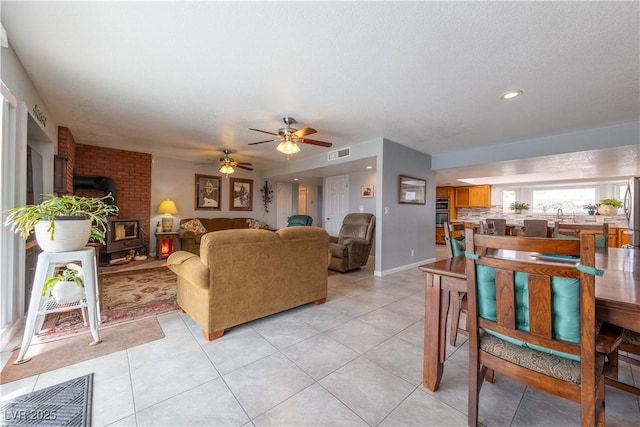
{"points": [[288, 147], [167, 207], [226, 169]]}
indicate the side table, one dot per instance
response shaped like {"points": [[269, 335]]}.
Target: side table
{"points": [[40, 305], [166, 244]]}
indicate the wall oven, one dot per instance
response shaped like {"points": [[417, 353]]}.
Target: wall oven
{"points": [[442, 211], [441, 218], [442, 204]]}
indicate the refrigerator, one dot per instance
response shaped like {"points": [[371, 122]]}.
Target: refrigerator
{"points": [[632, 211]]}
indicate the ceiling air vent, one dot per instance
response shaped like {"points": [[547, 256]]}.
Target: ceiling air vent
{"points": [[339, 154]]}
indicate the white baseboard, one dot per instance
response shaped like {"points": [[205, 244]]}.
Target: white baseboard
{"points": [[402, 268]]}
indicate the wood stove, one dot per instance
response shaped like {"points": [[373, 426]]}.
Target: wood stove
{"points": [[122, 236]]}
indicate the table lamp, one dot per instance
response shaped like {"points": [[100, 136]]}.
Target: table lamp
{"points": [[167, 207]]}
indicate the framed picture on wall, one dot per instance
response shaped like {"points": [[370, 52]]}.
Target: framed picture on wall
{"points": [[412, 191], [240, 194], [207, 195], [366, 192]]}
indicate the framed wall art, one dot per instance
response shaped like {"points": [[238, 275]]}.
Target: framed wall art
{"points": [[412, 191], [207, 196], [366, 192], [240, 194]]}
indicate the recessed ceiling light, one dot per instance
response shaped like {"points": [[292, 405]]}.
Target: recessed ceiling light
{"points": [[511, 94], [369, 167], [295, 179]]}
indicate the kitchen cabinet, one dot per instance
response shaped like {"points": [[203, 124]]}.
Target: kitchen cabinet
{"points": [[443, 191], [477, 196], [623, 239], [440, 236]]}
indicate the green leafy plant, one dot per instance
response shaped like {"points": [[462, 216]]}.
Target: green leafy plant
{"points": [[590, 207], [266, 192], [611, 202], [66, 275], [23, 219], [519, 206]]}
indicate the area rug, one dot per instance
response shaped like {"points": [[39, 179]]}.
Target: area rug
{"points": [[64, 404], [126, 296], [57, 354]]}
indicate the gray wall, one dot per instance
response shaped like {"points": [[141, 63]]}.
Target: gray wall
{"points": [[404, 227]]}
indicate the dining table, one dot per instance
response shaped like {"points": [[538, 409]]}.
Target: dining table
{"points": [[617, 299]]}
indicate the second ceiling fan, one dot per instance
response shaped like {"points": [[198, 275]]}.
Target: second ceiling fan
{"points": [[289, 138]]}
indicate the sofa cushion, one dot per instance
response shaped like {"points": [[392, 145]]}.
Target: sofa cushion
{"points": [[194, 225]]}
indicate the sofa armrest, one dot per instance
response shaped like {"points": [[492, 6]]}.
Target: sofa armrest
{"points": [[333, 239], [346, 241], [186, 234], [189, 267]]}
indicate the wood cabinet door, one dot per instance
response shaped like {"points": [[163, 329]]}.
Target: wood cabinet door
{"points": [[462, 197], [442, 191], [623, 239], [480, 196], [440, 235]]}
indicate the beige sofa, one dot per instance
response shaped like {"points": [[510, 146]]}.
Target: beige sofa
{"points": [[190, 241], [243, 275]]}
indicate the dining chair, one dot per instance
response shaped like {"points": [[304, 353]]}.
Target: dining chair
{"points": [[522, 314], [535, 228], [454, 240], [573, 231], [631, 346], [496, 226]]}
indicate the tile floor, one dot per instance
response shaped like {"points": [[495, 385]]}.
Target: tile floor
{"points": [[354, 361]]}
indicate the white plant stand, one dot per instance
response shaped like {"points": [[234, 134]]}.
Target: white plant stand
{"points": [[40, 305]]}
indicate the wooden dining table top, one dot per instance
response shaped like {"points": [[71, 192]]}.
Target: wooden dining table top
{"points": [[619, 287]]}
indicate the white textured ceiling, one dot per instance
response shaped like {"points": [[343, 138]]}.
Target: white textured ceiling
{"points": [[187, 79]]}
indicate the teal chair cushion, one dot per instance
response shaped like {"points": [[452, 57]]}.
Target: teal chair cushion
{"points": [[565, 306], [303, 220], [457, 246]]}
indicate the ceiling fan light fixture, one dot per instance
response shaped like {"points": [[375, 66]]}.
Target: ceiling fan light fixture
{"points": [[288, 147], [226, 169]]}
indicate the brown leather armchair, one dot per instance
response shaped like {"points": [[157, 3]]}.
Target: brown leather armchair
{"points": [[351, 249]]}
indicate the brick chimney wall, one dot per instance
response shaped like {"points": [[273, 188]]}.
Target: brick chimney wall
{"points": [[130, 170], [67, 147]]}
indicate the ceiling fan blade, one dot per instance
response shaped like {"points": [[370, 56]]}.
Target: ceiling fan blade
{"points": [[243, 163], [204, 164], [261, 142], [304, 132], [314, 142], [263, 131], [244, 167]]}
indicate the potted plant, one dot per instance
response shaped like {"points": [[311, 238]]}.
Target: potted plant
{"points": [[63, 223], [609, 207], [67, 286], [591, 208], [518, 207]]}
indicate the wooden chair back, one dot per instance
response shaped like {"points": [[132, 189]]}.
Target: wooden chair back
{"points": [[497, 226], [452, 231], [535, 228], [561, 229], [546, 283]]}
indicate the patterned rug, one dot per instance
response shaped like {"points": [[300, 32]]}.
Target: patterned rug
{"points": [[126, 296], [64, 404]]}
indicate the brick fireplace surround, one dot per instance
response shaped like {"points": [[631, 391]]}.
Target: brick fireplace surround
{"points": [[130, 170]]}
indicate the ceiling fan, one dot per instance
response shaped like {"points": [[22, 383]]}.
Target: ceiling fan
{"points": [[228, 164], [289, 137]]}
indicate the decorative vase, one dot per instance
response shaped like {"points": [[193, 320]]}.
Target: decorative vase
{"points": [[518, 211], [607, 210], [591, 212], [71, 234], [66, 292]]}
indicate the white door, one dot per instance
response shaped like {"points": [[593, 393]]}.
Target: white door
{"points": [[283, 203], [302, 200], [336, 205]]}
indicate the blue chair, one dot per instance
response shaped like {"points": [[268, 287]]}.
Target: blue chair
{"points": [[296, 220]]}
